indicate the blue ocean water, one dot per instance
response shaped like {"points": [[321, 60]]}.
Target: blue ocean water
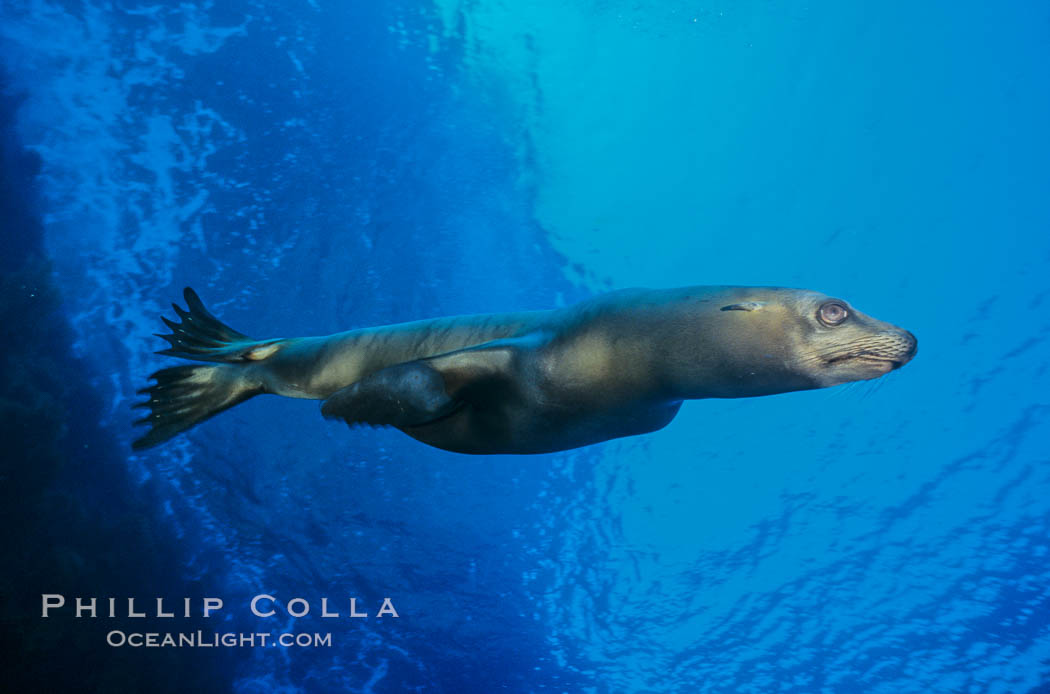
{"points": [[313, 167]]}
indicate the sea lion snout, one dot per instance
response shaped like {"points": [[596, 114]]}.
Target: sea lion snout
{"points": [[908, 346]]}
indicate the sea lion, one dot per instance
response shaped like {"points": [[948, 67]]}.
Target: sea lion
{"points": [[615, 365]]}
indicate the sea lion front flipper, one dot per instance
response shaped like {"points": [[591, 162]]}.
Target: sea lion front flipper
{"points": [[405, 394], [418, 392]]}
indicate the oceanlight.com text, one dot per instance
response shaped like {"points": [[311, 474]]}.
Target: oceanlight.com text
{"points": [[203, 639]]}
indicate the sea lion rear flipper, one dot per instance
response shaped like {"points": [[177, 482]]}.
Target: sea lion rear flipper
{"points": [[184, 396], [418, 392]]}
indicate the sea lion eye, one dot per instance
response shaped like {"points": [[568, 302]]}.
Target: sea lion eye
{"points": [[832, 313]]}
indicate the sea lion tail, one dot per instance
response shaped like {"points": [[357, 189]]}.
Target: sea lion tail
{"points": [[184, 396]]}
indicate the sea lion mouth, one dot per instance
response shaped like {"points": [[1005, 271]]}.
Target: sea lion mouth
{"points": [[872, 359], [900, 350], [864, 356]]}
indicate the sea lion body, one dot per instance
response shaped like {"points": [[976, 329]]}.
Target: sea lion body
{"points": [[616, 365]]}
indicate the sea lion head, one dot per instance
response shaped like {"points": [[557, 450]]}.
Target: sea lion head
{"points": [[819, 338], [839, 344]]}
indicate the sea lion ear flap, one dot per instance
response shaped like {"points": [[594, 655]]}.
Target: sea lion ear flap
{"points": [[746, 306]]}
